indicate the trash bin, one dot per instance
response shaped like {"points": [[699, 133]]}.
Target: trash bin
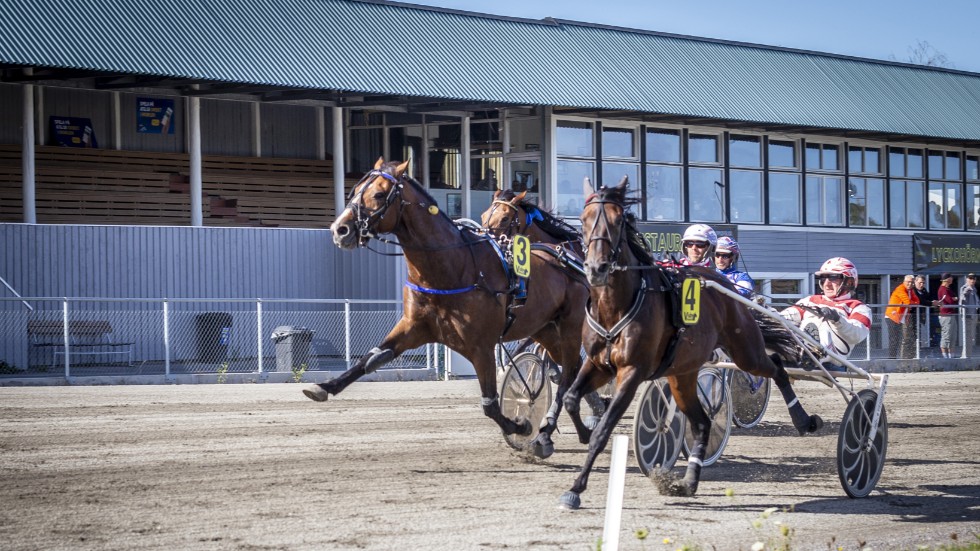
{"points": [[213, 334], [292, 347]]}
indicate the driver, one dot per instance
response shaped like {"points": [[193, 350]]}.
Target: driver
{"points": [[726, 260], [699, 245], [841, 321]]}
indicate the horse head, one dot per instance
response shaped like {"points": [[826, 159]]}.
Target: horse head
{"points": [[604, 220], [506, 215], [368, 212]]}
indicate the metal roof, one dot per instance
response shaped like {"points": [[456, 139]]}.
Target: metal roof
{"points": [[381, 47]]}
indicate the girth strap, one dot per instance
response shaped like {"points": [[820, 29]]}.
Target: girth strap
{"points": [[611, 334]]}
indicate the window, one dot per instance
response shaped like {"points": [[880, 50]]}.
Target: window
{"points": [[906, 207], [707, 195], [904, 162], [864, 160], [866, 202], [745, 151], [822, 157], [575, 139], [944, 165], [444, 156], [972, 202], [746, 196], [785, 185], [702, 149], [945, 206], [824, 201], [571, 194], [664, 184], [618, 143]]}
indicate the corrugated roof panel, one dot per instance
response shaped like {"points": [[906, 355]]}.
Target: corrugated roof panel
{"points": [[376, 47]]}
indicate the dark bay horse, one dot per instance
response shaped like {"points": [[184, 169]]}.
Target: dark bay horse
{"points": [[457, 292], [634, 336]]}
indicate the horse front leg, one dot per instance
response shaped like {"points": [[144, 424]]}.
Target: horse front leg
{"points": [[587, 380], [486, 373], [398, 340], [621, 400], [684, 388]]}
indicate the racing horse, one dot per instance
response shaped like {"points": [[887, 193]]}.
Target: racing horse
{"points": [[457, 292], [511, 213], [634, 333]]}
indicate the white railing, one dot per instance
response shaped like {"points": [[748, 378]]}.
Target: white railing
{"points": [[74, 337]]}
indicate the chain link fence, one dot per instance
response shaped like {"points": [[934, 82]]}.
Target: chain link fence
{"points": [[73, 337]]}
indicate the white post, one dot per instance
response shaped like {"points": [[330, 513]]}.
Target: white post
{"points": [[27, 157], [347, 332], [258, 324], [194, 146], [337, 114], [67, 339], [166, 339], [963, 332], [614, 497]]}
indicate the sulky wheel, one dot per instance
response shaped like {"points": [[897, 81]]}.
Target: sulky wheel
{"points": [[525, 394], [859, 458], [658, 429], [750, 396], [717, 403]]}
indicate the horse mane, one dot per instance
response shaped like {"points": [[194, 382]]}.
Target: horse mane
{"points": [[550, 223], [638, 246]]}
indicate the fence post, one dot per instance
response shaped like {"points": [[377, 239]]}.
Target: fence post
{"points": [[258, 324], [963, 332], [64, 326], [166, 339], [347, 332]]}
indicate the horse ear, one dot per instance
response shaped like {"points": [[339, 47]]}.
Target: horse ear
{"points": [[496, 194], [587, 187], [624, 183], [400, 169], [519, 197], [379, 163]]}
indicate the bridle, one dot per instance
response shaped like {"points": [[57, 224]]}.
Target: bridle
{"points": [[617, 245], [366, 218], [514, 226]]}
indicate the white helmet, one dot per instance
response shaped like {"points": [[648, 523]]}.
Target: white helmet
{"points": [[840, 266], [728, 245], [702, 233]]}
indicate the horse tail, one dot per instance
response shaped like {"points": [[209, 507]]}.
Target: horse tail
{"points": [[777, 338]]}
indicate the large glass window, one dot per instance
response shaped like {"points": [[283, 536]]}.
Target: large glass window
{"points": [[866, 202], [824, 201], [782, 154], [575, 139], [746, 196], [905, 162], [618, 143], [444, 156], [906, 207], [612, 174], [972, 199], [864, 160], [707, 195], [785, 198], [664, 198], [945, 206], [702, 149], [571, 191], [663, 146], [944, 165], [745, 151], [822, 157]]}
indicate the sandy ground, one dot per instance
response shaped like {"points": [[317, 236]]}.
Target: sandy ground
{"points": [[415, 465]]}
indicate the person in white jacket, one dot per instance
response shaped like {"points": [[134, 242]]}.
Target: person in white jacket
{"points": [[839, 321]]}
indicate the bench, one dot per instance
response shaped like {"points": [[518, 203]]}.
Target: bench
{"points": [[85, 338]]}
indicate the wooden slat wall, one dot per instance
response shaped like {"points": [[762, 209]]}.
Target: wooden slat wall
{"points": [[97, 186]]}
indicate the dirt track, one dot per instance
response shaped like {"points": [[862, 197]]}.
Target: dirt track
{"points": [[415, 465]]}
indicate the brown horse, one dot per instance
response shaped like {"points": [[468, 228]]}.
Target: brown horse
{"points": [[458, 291], [511, 214], [633, 335]]}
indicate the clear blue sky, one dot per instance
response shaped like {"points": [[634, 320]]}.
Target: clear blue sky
{"points": [[862, 28]]}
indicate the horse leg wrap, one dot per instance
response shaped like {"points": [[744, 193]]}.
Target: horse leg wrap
{"points": [[596, 402], [378, 358], [490, 406]]}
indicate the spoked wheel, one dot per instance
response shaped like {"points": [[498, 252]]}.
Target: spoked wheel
{"points": [[717, 403], [658, 429], [525, 393], [750, 396], [860, 459]]}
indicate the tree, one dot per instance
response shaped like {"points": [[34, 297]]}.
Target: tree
{"points": [[924, 54]]}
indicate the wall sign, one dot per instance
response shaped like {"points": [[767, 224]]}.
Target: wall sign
{"points": [[934, 254], [155, 116], [665, 239], [72, 131]]}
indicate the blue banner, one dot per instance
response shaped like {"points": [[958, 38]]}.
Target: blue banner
{"points": [[155, 116], [72, 131]]}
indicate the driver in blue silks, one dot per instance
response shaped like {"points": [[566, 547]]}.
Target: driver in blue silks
{"points": [[726, 261]]}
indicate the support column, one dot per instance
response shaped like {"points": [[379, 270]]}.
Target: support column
{"points": [[27, 156], [337, 115], [194, 150], [464, 161]]}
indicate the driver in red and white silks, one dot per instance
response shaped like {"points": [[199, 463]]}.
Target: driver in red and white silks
{"points": [[698, 245], [842, 322]]}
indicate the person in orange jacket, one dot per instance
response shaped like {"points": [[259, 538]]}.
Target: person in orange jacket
{"points": [[901, 319]]}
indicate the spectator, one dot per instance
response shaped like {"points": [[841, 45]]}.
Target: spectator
{"points": [[922, 312], [901, 320], [841, 322], [969, 304], [945, 299]]}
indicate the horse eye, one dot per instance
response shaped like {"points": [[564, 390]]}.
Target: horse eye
{"points": [[380, 195]]}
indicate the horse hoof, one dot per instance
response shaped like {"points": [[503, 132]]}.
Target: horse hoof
{"points": [[569, 501], [523, 427], [591, 422], [816, 423], [542, 449], [316, 393]]}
